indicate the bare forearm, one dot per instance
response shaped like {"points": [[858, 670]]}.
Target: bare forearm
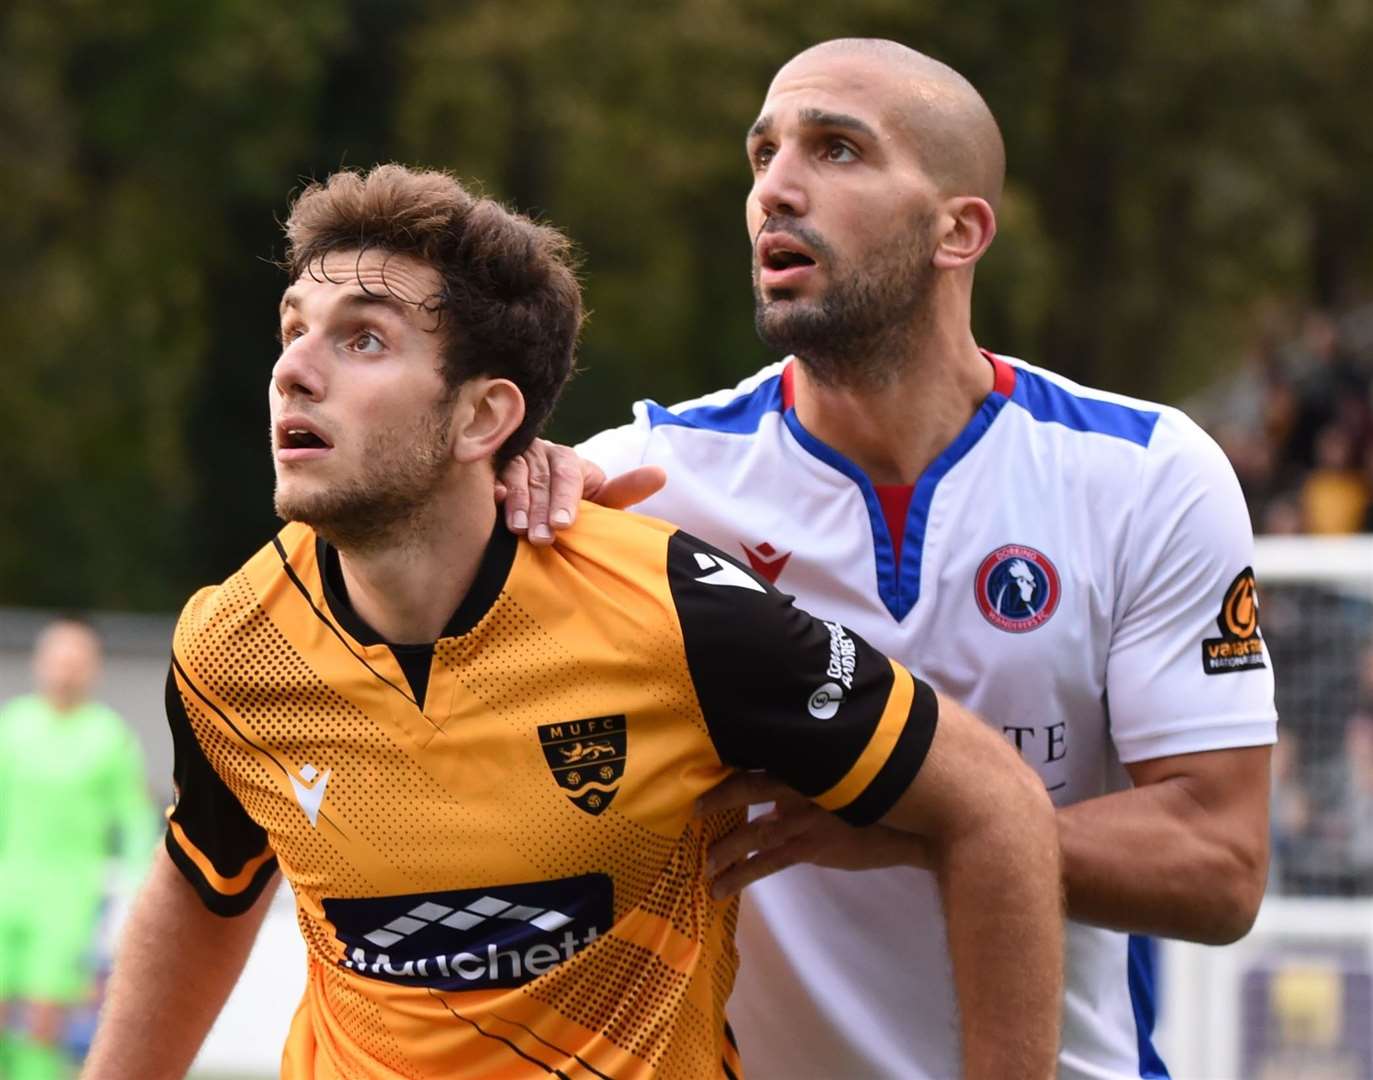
{"points": [[1143, 861], [175, 966], [1000, 886]]}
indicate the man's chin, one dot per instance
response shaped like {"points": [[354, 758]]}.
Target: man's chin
{"points": [[288, 504], [354, 522], [305, 508], [791, 326]]}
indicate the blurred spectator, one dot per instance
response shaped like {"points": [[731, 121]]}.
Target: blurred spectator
{"points": [[1297, 424], [1281, 517], [1334, 495], [71, 780]]}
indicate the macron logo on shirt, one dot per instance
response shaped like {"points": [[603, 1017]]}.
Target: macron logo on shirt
{"points": [[310, 794], [724, 573], [767, 560]]}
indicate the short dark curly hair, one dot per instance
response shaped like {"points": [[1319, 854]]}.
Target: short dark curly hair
{"points": [[510, 305]]}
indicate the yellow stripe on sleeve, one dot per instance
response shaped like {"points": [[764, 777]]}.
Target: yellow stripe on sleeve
{"points": [[880, 746], [222, 885]]}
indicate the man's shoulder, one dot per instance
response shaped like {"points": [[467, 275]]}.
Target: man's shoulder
{"points": [[615, 539], [633, 557], [215, 615], [737, 410], [1159, 431], [17, 711], [19, 704], [700, 430]]}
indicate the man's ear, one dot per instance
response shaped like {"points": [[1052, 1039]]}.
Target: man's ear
{"points": [[970, 225], [486, 413]]}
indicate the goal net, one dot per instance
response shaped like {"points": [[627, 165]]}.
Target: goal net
{"points": [[1295, 997]]}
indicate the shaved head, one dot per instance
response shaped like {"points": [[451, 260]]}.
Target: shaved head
{"points": [[954, 133], [876, 176], [66, 662]]}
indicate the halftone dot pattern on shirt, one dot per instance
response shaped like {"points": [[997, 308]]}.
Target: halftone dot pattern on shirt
{"points": [[622, 990], [424, 842], [284, 704]]}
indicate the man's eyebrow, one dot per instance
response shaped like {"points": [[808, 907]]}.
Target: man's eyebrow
{"points": [[818, 118], [357, 300], [382, 300]]}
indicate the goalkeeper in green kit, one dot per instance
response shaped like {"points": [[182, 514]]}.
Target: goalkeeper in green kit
{"points": [[71, 783]]}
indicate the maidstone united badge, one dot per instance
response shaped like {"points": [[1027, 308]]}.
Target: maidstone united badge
{"points": [[587, 758]]}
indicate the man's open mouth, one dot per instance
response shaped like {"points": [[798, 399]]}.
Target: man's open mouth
{"points": [[301, 439], [299, 433], [783, 259]]}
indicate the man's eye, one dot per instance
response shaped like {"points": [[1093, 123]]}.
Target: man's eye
{"points": [[289, 334], [762, 156], [367, 342], [840, 152]]}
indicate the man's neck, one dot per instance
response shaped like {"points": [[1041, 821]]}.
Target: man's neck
{"points": [[408, 591], [64, 704], [893, 431]]}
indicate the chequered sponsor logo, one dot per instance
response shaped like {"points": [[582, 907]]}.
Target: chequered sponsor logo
{"points": [[472, 939], [474, 914]]}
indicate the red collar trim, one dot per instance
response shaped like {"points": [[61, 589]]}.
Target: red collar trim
{"points": [[788, 385], [1003, 382]]}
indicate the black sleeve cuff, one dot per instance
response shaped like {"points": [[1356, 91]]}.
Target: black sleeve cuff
{"points": [[901, 767]]}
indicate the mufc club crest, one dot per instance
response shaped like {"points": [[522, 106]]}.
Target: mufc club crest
{"points": [[1017, 588], [587, 758]]}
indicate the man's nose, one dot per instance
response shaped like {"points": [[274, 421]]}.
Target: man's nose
{"points": [[782, 188], [299, 370]]}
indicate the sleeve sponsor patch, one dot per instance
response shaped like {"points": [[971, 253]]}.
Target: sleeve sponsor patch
{"points": [[1239, 647]]}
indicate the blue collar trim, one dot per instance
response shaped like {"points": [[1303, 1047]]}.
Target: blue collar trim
{"points": [[898, 579]]}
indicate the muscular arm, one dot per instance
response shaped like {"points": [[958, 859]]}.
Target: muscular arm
{"points": [[981, 820], [1183, 854], [176, 959], [989, 829]]}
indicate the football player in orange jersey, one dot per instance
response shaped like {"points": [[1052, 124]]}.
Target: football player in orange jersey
{"points": [[477, 761]]}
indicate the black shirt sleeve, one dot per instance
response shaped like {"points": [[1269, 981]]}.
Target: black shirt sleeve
{"points": [[806, 700], [221, 851]]}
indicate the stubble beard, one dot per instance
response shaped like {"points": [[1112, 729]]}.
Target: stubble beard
{"points": [[854, 335], [389, 503]]}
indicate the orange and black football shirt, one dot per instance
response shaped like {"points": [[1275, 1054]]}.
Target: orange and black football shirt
{"points": [[491, 841]]}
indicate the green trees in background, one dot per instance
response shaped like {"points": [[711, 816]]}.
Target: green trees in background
{"points": [[1176, 168]]}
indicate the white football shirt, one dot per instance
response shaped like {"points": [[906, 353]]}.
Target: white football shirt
{"points": [[1075, 569]]}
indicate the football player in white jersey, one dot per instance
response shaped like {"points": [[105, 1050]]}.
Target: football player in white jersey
{"points": [[1070, 564]]}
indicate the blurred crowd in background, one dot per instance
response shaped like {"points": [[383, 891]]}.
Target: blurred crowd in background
{"points": [[1296, 420]]}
